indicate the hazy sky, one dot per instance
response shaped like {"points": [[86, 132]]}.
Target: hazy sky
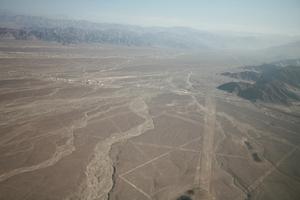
{"points": [[275, 16]]}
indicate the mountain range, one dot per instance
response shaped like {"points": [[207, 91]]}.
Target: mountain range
{"points": [[66, 31]]}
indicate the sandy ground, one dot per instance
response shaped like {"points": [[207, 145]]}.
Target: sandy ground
{"points": [[106, 122]]}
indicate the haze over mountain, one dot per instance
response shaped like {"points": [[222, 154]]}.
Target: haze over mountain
{"points": [[23, 27], [256, 16]]}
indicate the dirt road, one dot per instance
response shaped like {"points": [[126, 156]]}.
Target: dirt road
{"points": [[204, 171]]}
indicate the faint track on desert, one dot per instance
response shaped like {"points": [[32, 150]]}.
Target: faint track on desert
{"points": [[99, 171], [203, 173], [260, 180], [203, 178]]}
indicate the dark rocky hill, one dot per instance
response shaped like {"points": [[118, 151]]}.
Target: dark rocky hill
{"points": [[275, 85], [245, 75]]}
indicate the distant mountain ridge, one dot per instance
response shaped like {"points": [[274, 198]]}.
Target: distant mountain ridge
{"points": [[66, 31], [276, 84]]}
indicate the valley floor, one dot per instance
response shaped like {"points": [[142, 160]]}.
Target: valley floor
{"points": [[106, 122]]}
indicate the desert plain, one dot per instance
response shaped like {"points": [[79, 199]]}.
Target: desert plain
{"points": [[122, 123]]}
